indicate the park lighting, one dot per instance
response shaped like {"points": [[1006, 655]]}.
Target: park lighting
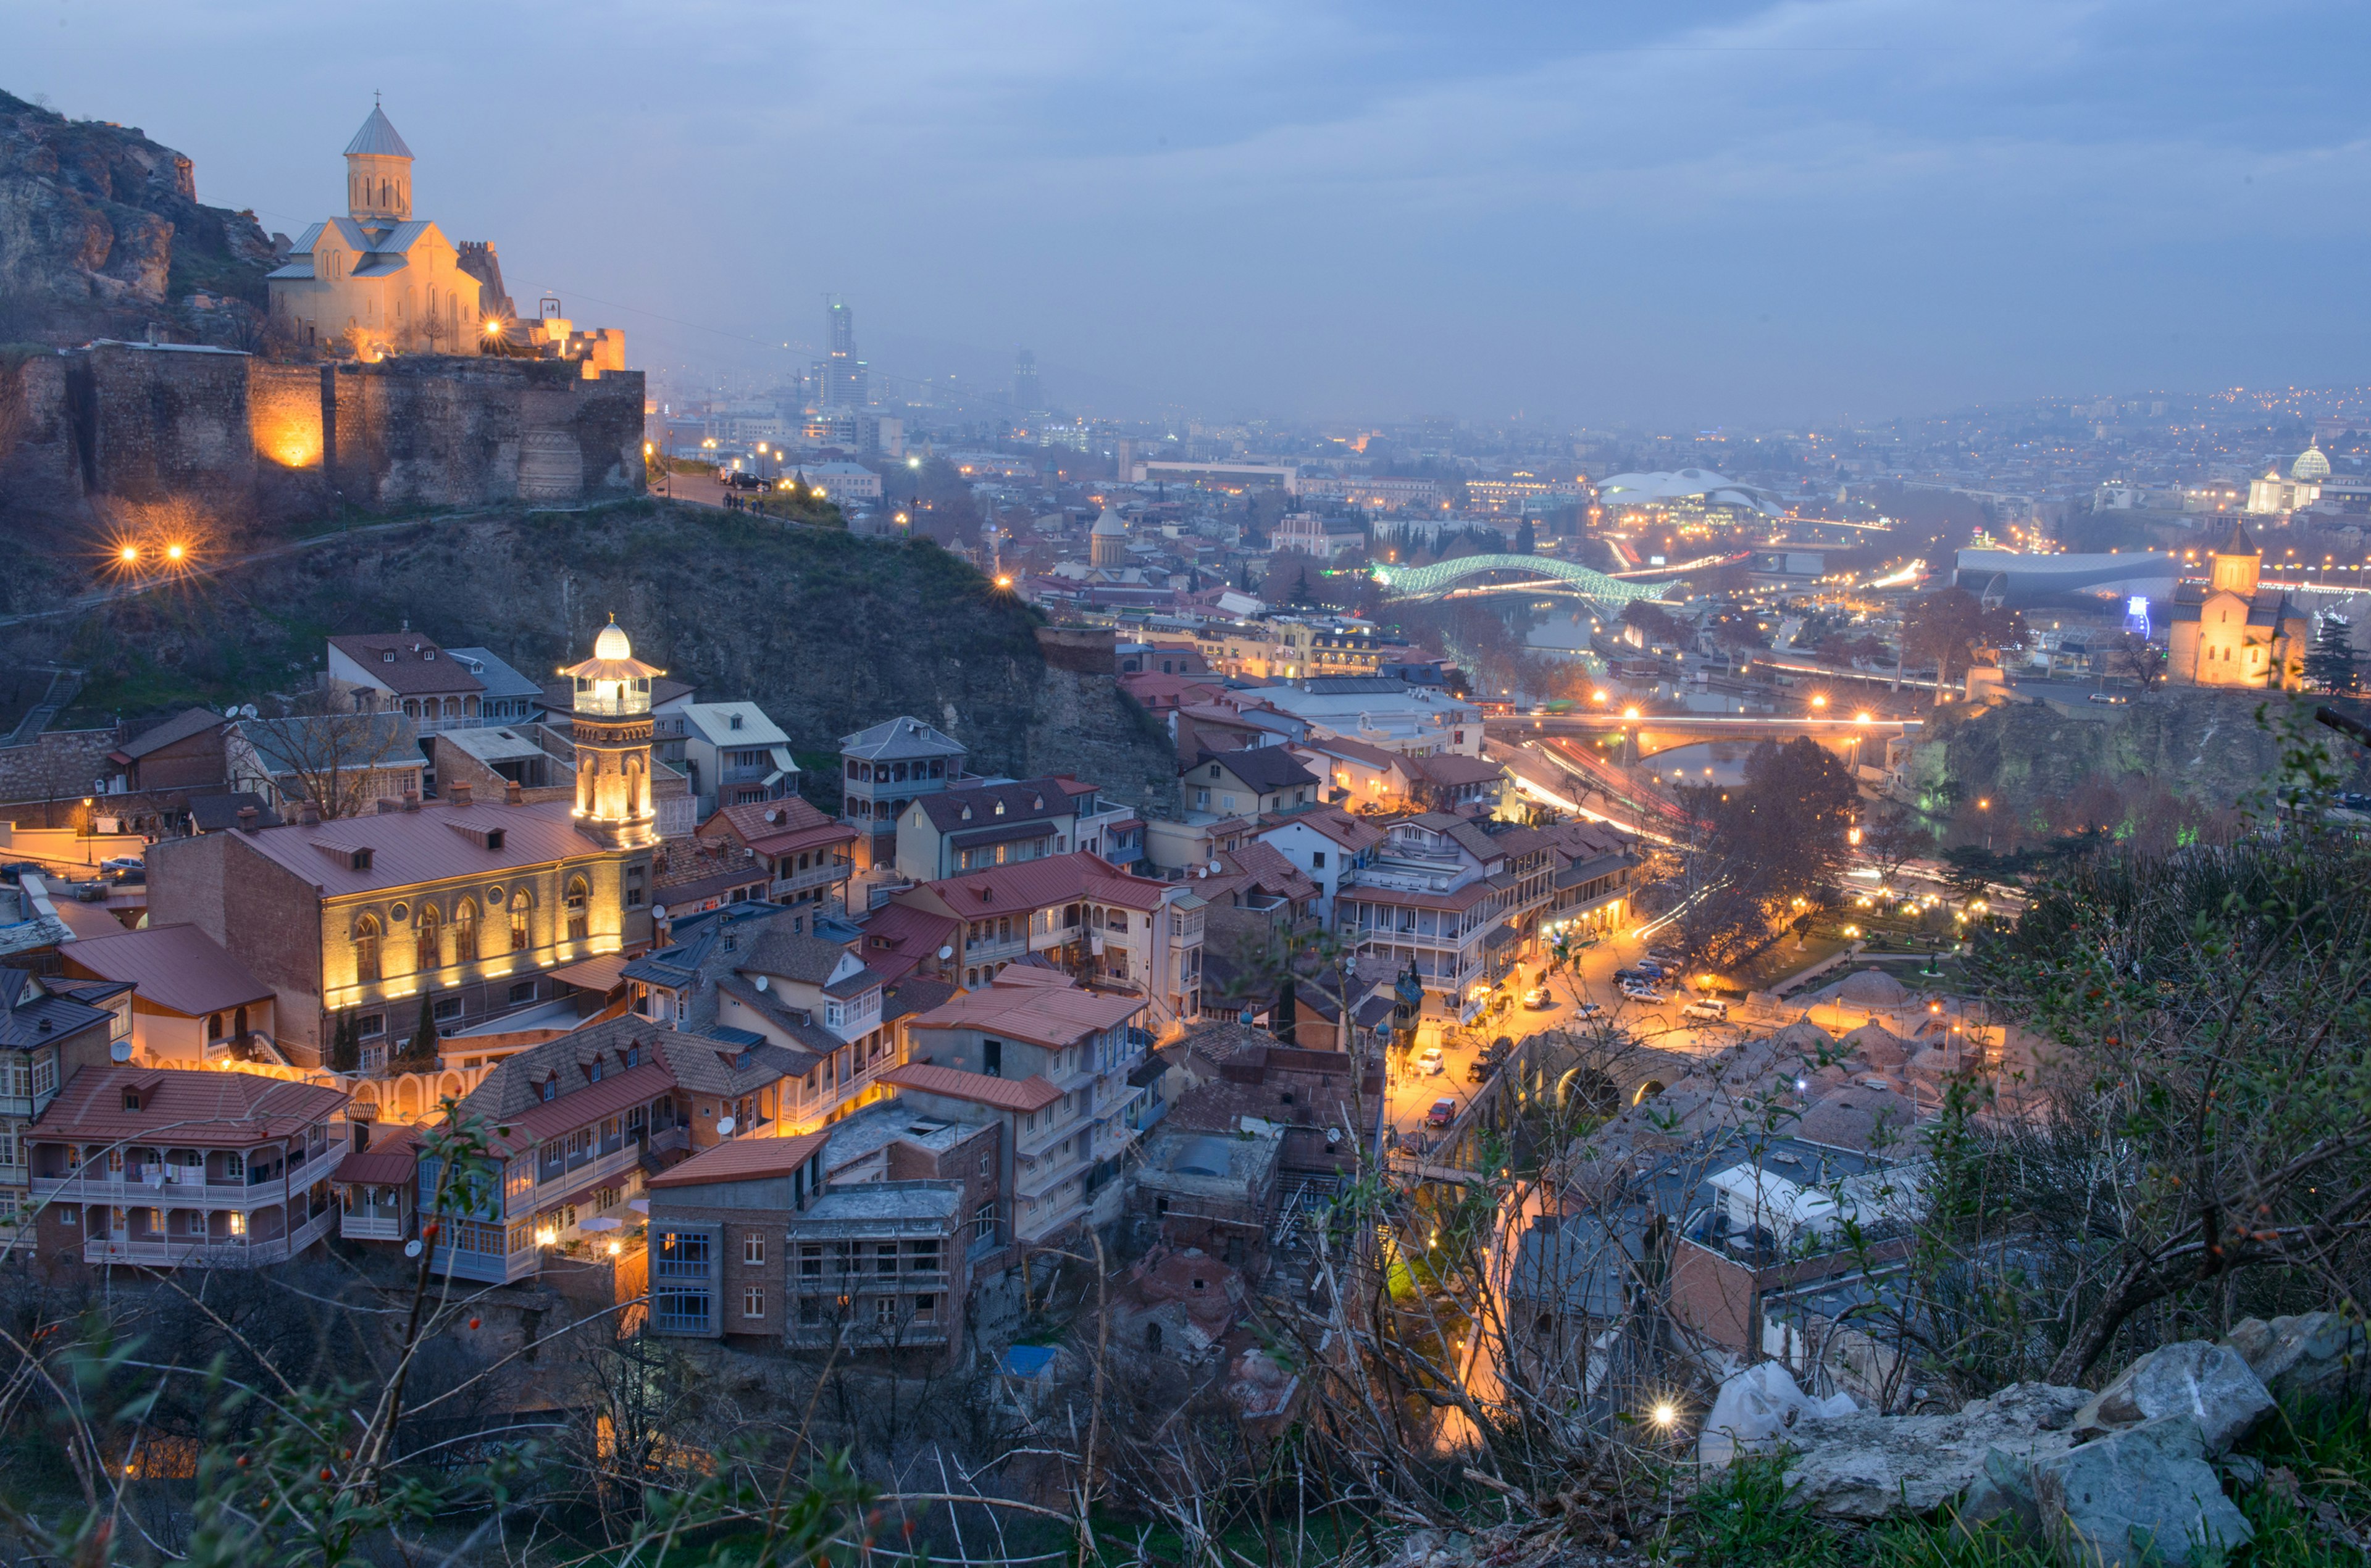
{"points": [[1004, 582], [913, 462], [174, 552], [1984, 802], [129, 553], [491, 328], [1665, 1413], [1853, 836], [1629, 713], [1819, 702], [1860, 718], [1597, 697]]}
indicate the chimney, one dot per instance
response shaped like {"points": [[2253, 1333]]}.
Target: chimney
{"points": [[411, 799], [248, 817], [457, 793], [514, 796], [387, 804], [309, 814]]}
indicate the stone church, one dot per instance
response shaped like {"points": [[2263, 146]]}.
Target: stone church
{"points": [[391, 281], [2229, 631]]}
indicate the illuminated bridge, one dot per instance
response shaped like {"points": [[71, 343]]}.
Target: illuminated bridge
{"points": [[1511, 575]]}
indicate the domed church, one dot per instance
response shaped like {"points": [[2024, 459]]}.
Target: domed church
{"points": [[2231, 631]]}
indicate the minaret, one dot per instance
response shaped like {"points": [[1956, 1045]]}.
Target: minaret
{"points": [[612, 731], [2239, 564], [379, 173]]}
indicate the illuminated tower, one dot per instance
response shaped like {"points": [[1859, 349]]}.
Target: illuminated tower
{"points": [[613, 743], [1107, 542], [379, 173]]}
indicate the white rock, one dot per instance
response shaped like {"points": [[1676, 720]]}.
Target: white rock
{"points": [[1866, 1467], [2317, 1355], [2210, 1383]]}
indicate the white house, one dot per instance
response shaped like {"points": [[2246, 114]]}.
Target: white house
{"points": [[734, 755]]}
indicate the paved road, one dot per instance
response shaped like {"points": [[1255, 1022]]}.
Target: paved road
{"points": [[1409, 1094]]}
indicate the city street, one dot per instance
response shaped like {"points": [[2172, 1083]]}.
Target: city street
{"points": [[1410, 1092]]}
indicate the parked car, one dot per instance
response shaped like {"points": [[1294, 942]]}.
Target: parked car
{"points": [[1428, 1061], [16, 870], [1443, 1111], [1538, 1000], [742, 480], [1647, 994], [1707, 1010], [1587, 1010]]}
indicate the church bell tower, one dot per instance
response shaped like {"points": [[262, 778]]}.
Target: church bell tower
{"points": [[379, 173], [612, 730]]}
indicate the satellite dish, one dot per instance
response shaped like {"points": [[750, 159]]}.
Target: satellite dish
{"points": [[724, 1126], [121, 1050], [945, 953], [658, 911], [1214, 868], [411, 1249], [759, 982]]}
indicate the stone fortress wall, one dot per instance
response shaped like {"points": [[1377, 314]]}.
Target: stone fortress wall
{"points": [[160, 421]]}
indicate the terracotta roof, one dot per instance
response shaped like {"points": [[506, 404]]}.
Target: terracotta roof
{"points": [[392, 1162], [741, 1158], [1024, 1095], [1450, 769], [1053, 1013], [513, 1089], [1339, 825], [603, 973], [185, 1107], [1058, 879], [175, 966], [911, 937], [1265, 865], [422, 845], [752, 819], [419, 666]]}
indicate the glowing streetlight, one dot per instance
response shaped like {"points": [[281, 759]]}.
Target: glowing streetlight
{"points": [[174, 552], [1665, 1413], [129, 553], [1819, 701], [1629, 713]]}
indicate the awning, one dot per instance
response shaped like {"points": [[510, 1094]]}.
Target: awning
{"points": [[604, 974]]}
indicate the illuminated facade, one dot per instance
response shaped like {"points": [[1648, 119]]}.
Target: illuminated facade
{"points": [[2231, 631], [612, 732]]}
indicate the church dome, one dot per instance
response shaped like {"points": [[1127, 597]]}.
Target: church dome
{"points": [[1109, 524], [613, 644], [2311, 465]]}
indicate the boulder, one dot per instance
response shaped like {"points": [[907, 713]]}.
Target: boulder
{"points": [[2139, 1498], [2211, 1383], [2317, 1355], [1758, 1406], [1866, 1467]]}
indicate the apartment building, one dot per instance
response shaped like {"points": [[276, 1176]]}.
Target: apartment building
{"points": [[1245, 783], [809, 856], [189, 1004], [582, 1112], [1083, 916], [1329, 845], [886, 769], [1058, 1062], [46, 1037], [994, 824], [734, 755], [165, 1167], [403, 672]]}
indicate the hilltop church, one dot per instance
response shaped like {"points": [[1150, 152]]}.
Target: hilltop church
{"points": [[391, 281], [2229, 631]]}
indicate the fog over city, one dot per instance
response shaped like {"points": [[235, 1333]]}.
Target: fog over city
{"points": [[1696, 214]]}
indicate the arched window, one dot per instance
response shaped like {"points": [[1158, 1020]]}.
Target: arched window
{"points": [[366, 948], [465, 931], [578, 896], [521, 903], [634, 787], [214, 1026], [427, 934]]}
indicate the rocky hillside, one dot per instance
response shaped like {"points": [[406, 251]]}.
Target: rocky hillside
{"points": [[2206, 747], [827, 631], [101, 233]]}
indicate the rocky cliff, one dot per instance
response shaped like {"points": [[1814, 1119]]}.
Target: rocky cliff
{"points": [[2035, 762], [101, 235], [827, 631]]}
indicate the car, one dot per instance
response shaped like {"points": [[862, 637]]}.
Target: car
{"points": [[1588, 1010], [1647, 994], [1537, 998], [2109, 697], [16, 870], [123, 863], [1428, 1061], [1707, 1010], [1443, 1111], [738, 480], [1638, 975]]}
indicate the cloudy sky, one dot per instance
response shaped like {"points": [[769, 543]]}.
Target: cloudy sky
{"points": [[1664, 211]]}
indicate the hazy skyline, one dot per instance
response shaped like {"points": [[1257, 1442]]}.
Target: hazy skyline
{"points": [[1672, 214]]}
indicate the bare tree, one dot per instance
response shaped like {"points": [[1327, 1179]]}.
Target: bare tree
{"points": [[316, 749]]}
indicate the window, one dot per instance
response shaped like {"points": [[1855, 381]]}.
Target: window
{"points": [[366, 932], [1317, 860], [811, 1262], [926, 1308], [810, 1311], [521, 903], [753, 1300], [634, 1054], [445, 1010], [46, 1074], [752, 1247], [428, 938], [884, 1311], [550, 1089], [577, 895], [465, 931], [371, 1026], [683, 1254], [523, 992], [885, 1256], [214, 1030], [131, 1100]]}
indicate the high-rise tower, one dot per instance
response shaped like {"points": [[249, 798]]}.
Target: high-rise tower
{"points": [[844, 390], [612, 730], [1026, 398]]}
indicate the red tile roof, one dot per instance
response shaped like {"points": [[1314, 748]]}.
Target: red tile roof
{"points": [[176, 966], [423, 846], [1033, 884], [1054, 1013], [741, 1158], [580, 1103], [1024, 1095], [419, 666], [772, 826], [186, 1107], [392, 1162]]}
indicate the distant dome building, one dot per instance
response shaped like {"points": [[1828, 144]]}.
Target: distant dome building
{"points": [[1700, 485], [2310, 465], [1107, 542], [2274, 494]]}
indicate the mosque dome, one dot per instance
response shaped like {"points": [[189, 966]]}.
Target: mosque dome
{"points": [[2311, 465], [613, 644]]}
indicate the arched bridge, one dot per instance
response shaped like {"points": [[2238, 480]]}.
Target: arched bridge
{"points": [[1658, 733], [1523, 574]]}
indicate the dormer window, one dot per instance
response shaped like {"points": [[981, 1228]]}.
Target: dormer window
{"points": [[550, 1089], [999, 808], [633, 1056], [741, 1062], [592, 1071], [967, 813], [428, 653], [131, 1100], [735, 720], [387, 657], [359, 859]]}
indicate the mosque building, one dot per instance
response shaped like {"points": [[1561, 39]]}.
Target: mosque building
{"points": [[2300, 488]]}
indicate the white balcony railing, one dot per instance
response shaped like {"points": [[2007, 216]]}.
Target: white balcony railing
{"points": [[135, 1194], [209, 1251], [371, 1225]]}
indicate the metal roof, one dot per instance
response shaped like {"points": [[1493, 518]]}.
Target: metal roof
{"points": [[377, 138]]}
